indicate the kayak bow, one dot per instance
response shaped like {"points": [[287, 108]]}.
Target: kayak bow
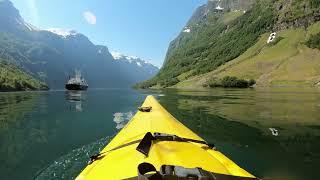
{"points": [[154, 145]]}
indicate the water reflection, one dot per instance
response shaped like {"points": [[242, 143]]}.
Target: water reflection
{"points": [[13, 106], [76, 99], [17, 131], [274, 133], [38, 128]]}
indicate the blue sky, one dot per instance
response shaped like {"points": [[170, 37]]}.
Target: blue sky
{"points": [[142, 28]]}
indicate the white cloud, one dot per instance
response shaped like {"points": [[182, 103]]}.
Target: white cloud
{"points": [[90, 17]]}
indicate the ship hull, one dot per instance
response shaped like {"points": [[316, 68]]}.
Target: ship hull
{"points": [[76, 87]]}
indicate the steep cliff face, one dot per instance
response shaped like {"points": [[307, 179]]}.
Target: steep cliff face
{"points": [[11, 19], [222, 31], [208, 14]]}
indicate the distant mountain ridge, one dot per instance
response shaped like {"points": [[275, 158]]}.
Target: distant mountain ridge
{"points": [[223, 31], [142, 64], [62, 32], [139, 67], [52, 55]]}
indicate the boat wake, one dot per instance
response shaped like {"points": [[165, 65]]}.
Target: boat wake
{"points": [[121, 119], [71, 164]]}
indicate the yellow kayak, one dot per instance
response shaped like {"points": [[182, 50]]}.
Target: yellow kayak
{"points": [[154, 145]]}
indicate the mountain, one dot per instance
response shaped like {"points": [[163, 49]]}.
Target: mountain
{"points": [[11, 19], [12, 78], [142, 68], [229, 38], [63, 32], [52, 55]]}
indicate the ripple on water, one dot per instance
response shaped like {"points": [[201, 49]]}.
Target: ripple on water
{"points": [[70, 165]]}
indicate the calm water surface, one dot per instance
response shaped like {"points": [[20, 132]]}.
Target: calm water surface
{"points": [[273, 133]]}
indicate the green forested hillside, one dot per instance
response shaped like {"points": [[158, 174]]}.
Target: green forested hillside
{"points": [[14, 79], [288, 62], [222, 36]]}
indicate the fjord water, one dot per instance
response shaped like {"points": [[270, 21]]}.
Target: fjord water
{"points": [[273, 133], [38, 129]]}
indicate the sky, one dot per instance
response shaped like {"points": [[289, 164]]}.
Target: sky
{"points": [[142, 28]]}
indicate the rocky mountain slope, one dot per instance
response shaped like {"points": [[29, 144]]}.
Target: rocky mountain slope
{"points": [[222, 32], [52, 55]]}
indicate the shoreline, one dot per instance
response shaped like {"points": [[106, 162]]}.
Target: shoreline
{"points": [[250, 88]]}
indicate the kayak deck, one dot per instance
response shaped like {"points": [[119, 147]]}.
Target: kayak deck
{"points": [[122, 163]]}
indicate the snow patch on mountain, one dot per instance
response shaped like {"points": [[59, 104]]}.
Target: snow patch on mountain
{"points": [[119, 56], [116, 55], [219, 8], [131, 57], [62, 32], [132, 61], [187, 30]]}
